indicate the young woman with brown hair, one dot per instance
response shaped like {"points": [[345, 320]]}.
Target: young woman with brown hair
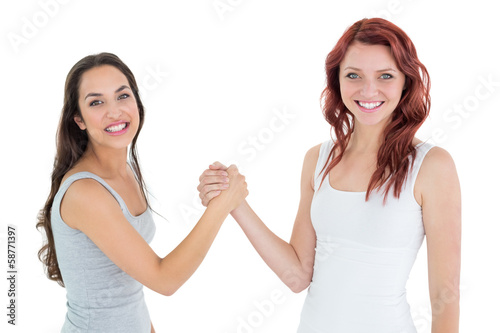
{"points": [[97, 218]]}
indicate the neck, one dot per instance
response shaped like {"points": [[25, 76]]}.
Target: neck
{"points": [[366, 139], [109, 162]]}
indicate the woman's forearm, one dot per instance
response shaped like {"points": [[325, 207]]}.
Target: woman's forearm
{"points": [[278, 254], [182, 262], [445, 316]]}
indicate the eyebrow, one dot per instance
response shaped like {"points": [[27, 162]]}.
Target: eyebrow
{"points": [[389, 69], [116, 91]]}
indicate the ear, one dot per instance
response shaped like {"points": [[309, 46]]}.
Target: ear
{"points": [[79, 121]]}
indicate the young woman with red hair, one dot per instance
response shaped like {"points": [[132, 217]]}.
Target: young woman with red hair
{"points": [[368, 196]]}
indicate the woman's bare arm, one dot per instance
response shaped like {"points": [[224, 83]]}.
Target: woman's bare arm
{"points": [[292, 262], [89, 207], [441, 208]]}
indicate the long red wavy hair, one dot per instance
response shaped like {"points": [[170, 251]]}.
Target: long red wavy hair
{"points": [[393, 162]]}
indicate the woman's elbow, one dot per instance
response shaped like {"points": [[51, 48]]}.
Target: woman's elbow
{"points": [[297, 279], [166, 287], [297, 284], [167, 290], [297, 288]]}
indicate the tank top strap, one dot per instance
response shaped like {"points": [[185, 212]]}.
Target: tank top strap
{"points": [[326, 147], [85, 175], [324, 151]]}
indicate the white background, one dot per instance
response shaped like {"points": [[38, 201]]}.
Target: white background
{"points": [[212, 79]]}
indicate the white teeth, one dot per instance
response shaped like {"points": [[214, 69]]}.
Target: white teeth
{"points": [[370, 105], [116, 128]]}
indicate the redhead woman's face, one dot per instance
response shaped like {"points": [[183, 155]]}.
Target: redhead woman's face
{"points": [[370, 83], [109, 108]]}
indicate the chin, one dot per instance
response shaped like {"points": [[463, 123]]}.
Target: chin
{"points": [[372, 120]]}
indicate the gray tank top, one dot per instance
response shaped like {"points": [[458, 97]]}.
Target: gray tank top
{"points": [[100, 296]]}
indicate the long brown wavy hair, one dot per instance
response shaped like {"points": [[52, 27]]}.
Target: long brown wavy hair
{"points": [[409, 115], [72, 142]]}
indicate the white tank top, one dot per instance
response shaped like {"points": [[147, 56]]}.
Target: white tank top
{"points": [[364, 254]]}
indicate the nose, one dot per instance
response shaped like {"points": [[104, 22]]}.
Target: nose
{"points": [[113, 111], [369, 89]]}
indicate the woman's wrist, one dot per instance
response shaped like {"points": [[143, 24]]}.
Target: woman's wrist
{"points": [[220, 206], [240, 210]]}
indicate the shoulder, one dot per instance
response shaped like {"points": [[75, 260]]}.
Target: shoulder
{"points": [[84, 198], [309, 166], [311, 158], [313, 153], [437, 161], [437, 173], [86, 188]]}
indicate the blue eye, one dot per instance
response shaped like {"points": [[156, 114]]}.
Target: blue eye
{"points": [[95, 103], [352, 76], [386, 76]]}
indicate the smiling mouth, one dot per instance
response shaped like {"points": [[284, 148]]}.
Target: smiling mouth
{"points": [[116, 128], [369, 105]]}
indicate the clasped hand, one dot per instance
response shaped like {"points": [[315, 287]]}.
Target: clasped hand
{"points": [[224, 184]]}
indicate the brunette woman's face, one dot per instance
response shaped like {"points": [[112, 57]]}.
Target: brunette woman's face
{"points": [[370, 83], [108, 107]]}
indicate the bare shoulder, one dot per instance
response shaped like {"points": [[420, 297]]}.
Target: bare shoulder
{"points": [[309, 167], [86, 197], [88, 189], [312, 154], [437, 161], [311, 159], [437, 174]]}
